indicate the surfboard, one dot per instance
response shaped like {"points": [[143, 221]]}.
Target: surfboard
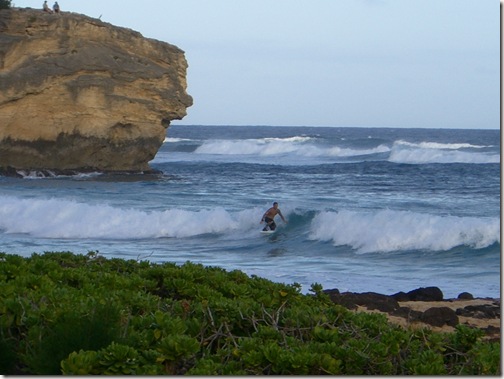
{"points": [[267, 231]]}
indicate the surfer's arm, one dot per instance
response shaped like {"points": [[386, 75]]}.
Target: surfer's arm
{"points": [[281, 215]]}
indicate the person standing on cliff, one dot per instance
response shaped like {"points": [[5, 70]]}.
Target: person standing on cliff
{"points": [[269, 216], [56, 7]]}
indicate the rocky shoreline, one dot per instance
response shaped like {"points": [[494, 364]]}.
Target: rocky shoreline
{"points": [[426, 307]]}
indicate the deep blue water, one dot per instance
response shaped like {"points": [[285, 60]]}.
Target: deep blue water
{"points": [[368, 209]]}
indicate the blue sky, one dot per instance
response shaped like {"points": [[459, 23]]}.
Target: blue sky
{"points": [[385, 63]]}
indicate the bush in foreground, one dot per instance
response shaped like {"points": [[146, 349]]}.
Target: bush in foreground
{"points": [[5, 4], [62, 313]]}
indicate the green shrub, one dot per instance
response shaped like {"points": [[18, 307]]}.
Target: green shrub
{"points": [[72, 331], [69, 314], [7, 356]]}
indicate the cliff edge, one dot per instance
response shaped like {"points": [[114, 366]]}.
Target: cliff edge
{"points": [[80, 94]]}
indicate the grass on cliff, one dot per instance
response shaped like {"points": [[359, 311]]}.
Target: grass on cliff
{"points": [[62, 313]]}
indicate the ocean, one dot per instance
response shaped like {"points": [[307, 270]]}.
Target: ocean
{"points": [[368, 209]]}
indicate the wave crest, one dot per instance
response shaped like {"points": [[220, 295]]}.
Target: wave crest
{"points": [[55, 218], [296, 146], [433, 152], [387, 231], [314, 150]]}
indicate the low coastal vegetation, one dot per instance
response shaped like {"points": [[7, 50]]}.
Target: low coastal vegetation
{"points": [[62, 313]]}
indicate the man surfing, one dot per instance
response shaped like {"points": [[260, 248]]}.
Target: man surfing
{"points": [[269, 216]]}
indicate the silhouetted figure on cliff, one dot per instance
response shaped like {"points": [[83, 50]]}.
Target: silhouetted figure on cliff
{"points": [[46, 8], [56, 7]]}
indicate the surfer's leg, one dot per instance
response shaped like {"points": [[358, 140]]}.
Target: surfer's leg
{"points": [[272, 225]]}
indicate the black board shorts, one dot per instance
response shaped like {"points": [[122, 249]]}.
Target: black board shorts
{"points": [[270, 223]]}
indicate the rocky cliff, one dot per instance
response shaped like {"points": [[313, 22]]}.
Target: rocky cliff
{"points": [[80, 94]]}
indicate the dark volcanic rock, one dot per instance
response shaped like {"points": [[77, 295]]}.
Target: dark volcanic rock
{"points": [[465, 296], [420, 294], [370, 300], [480, 311], [434, 316], [407, 313], [440, 316]]}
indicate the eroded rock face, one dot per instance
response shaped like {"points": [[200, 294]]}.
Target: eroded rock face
{"points": [[78, 93]]}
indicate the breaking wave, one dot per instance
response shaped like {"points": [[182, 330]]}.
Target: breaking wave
{"points": [[387, 231], [313, 148], [55, 218], [364, 232], [432, 152]]}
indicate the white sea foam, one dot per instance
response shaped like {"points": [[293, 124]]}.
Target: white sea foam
{"points": [[297, 146], [438, 145], [55, 218], [400, 151], [174, 140], [261, 146], [387, 231], [288, 139], [35, 174], [430, 152], [380, 231]]}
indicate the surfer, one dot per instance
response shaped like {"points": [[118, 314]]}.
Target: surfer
{"points": [[269, 216]]}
